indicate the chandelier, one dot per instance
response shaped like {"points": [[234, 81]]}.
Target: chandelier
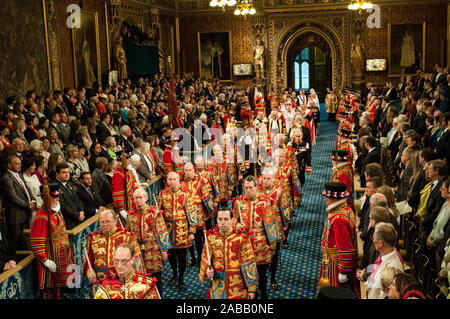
{"points": [[360, 5], [245, 7], [222, 3]]}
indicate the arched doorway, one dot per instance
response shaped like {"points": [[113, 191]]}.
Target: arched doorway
{"points": [[307, 33], [309, 64]]}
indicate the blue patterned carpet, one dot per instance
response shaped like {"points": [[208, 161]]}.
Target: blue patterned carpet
{"points": [[300, 262]]}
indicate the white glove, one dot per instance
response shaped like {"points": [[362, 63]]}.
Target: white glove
{"points": [[50, 264], [124, 214], [342, 278]]}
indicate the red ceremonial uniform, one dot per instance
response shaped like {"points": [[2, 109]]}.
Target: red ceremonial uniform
{"points": [[192, 187], [118, 186], [343, 173], [151, 235], [60, 251], [339, 243], [223, 178], [280, 207], [101, 247], [286, 177], [179, 215], [168, 162], [136, 285], [257, 218]]}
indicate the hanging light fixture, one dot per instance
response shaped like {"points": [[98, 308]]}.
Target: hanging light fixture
{"points": [[245, 7], [360, 5], [222, 3]]}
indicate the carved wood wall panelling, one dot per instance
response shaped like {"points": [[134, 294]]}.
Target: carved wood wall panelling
{"points": [[54, 46], [435, 16]]}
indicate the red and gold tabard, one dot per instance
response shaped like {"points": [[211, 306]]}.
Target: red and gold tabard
{"points": [[192, 188], [206, 192], [135, 285], [59, 252], [257, 218], [233, 260], [223, 178], [118, 186], [343, 173], [287, 178], [151, 235], [281, 208], [169, 165], [180, 216], [101, 247], [338, 243]]}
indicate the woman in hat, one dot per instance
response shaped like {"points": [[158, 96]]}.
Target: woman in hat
{"points": [[50, 244]]}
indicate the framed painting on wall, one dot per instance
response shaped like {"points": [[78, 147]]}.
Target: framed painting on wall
{"points": [[86, 50], [214, 55], [406, 48]]}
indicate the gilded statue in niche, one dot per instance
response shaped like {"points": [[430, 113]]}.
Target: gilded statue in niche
{"points": [[121, 60], [161, 56], [357, 60], [258, 59]]}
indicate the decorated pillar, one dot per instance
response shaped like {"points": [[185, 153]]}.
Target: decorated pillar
{"points": [[56, 82], [357, 51]]}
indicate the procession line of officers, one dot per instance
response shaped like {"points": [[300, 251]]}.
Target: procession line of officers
{"points": [[243, 233], [127, 262]]}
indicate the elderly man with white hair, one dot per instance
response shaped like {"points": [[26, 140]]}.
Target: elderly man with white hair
{"points": [[384, 238], [125, 136], [147, 222], [99, 258]]}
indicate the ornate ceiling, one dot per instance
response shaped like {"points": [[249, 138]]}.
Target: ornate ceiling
{"points": [[202, 6]]}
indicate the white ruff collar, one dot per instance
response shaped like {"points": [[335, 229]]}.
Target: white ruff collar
{"points": [[340, 165], [338, 203]]}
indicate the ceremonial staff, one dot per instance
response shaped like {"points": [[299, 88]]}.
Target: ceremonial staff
{"points": [[87, 258], [208, 256], [125, 188], [239, 211]]}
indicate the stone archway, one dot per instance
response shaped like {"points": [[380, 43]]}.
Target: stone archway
{"points": [[287, 34]]}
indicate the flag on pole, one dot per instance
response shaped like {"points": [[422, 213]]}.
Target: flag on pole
{"points": [[174, 119]]}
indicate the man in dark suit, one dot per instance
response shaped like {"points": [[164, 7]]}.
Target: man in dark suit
{"points": [[425, 156], [138, 130], [443, 144], [68, 94], [88, 197], [436, 171], [102, 126], [19, 203], [100, 184], [364, 220], [125, 138], [71, 206], [391, 92], [64, 128], [144, 172], [54, 122], [373, 156]]}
